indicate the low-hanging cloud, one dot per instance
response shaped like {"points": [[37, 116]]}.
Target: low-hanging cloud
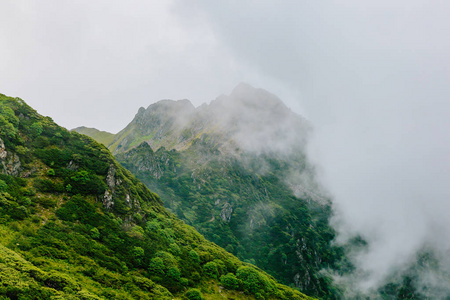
{"points": [[373, 79], [371, 76]]}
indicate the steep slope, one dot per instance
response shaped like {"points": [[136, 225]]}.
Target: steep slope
{"points": [[102, 137], [74, 224], [253, 215], [236, 170]]}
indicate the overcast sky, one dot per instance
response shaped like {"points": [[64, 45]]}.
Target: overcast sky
{"points": [[372, 76]]}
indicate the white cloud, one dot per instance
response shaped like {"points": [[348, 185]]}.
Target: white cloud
{"points": [[372, 76]]}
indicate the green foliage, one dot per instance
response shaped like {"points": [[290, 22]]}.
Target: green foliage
{"points": [[36, 129], [255, 282], [3, 185], [60, 281], [62, 237], [252, 213], [193, 294], [78, 209], [229, 281], [47, 186], [84, 182], [95, 234], [138, 254], [210, 269], [193, 255], [157, 267]]}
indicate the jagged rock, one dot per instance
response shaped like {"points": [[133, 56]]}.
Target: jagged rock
{"points": [[10, 162], [107, 200], [226, 212], [111, 182], [3, 152], [110, 178]]}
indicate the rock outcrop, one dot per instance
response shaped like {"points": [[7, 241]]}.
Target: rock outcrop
{"points": [[9, 161]]}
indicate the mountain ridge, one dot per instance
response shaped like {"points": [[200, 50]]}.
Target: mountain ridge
{"points": [[233, 120], [237, 170], [74, 224]]}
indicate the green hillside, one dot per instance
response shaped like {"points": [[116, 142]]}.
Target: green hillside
{"points": [[74, 224], [102, 137], [237, 171]]}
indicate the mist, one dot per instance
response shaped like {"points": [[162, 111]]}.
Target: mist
{"points": [[370, 76]]}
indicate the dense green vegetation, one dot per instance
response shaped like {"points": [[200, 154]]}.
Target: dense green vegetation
{"points": [[251, 214], [74, 224], [230, 169]]}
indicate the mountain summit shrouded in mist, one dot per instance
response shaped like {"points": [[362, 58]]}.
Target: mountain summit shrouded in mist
{"points": [[248, 119], [236, 169], [184, 152], [372, 78]]}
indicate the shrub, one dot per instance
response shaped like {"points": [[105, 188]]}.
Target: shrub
{"points": [[194, 294], [174, 249], [3, 185], [46, 202], [254, 281], [85, 183], [36, 129], [229, 281], [78, 209], [174, 274], [95, 234], [210, 269], [47, 186], [156, 266], [58, 281], [194, 256], [138, 255]]}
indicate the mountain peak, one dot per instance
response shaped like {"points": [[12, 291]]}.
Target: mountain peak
{"points": [[171, 104], [247, 118], [247, 95]]}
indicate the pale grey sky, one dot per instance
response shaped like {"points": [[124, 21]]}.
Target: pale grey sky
{"points": [[372, 76]]}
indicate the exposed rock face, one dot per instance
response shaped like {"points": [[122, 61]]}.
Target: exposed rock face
{"points": [[226, 212], [10, 162], [146, 160], [3, 152], [111, 182], [114, 184]]}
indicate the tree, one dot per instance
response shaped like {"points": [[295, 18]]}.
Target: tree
{"points": [[3, 185], [229, 281], [194, 294]]}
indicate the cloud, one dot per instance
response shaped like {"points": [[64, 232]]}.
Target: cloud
{"points": [[371, 76], [94, 63]]}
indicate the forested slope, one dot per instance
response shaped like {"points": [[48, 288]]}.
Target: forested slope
{"points": [[237, 170], [74, 224]]}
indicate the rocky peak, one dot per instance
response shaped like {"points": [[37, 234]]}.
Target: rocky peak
{"points": [[248, 119]]}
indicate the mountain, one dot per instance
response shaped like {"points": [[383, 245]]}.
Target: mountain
{"points": [[244, 119], [237, 171], [102, 137], [74, 224]]}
